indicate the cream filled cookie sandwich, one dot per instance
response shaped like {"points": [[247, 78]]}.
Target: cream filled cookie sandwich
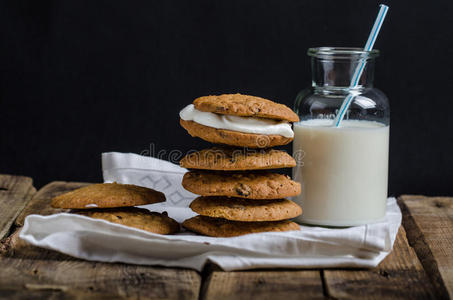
{"points": [[239, 120]]}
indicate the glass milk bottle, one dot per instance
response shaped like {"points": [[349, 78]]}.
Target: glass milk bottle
{"points": [[343, 170]]}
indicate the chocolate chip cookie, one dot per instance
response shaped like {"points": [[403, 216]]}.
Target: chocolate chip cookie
{"points": [[105, 195], [245, 106], [216, 227], [238, 209], [253, 185], [135, 217]]}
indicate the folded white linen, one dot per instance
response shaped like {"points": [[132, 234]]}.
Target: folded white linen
{"points": [[99, 240]]}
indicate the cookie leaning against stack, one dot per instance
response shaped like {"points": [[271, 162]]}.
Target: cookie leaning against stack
{"points": [[114, 202], [238, 193]]}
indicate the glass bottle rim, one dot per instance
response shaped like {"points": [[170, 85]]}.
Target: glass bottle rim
{"points": [[342, 53]]}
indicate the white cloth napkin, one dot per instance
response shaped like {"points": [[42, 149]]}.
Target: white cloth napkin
{"points": [[99, 240]]}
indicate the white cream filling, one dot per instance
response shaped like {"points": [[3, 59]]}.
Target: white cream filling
{"points": [[235, 123]]}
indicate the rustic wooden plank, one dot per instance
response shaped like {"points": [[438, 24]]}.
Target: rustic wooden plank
{"points": [[40, 203], [399, 276], [15, 192], [429, 225], [43, 273], [285, 284], [78, 279], [31, 272]]}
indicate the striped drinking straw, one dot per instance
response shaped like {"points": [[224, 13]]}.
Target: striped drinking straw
{"points": [[359, 70]]}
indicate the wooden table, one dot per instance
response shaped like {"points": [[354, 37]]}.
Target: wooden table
{"points": [[420, 266]]}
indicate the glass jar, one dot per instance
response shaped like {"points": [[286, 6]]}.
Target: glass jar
{"points": [[343, 170]]}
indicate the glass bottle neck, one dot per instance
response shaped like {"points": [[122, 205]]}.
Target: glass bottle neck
{"points": [[334, 75]]}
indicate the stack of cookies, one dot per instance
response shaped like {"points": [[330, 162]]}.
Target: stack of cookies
{"points": [[238, 195], [115, 203]]}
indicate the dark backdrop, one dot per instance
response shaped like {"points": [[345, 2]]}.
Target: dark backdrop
{"points": [[82, 77]]}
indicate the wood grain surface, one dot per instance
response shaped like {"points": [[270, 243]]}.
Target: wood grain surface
{"points": [[429, 225], [15, 192], [420, 266], [399, 276], [263, 285]]}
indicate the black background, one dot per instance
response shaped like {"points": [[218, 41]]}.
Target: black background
{"points": [[83, 77]]}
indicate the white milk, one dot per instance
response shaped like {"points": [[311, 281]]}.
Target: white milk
{"points": [[343, 171]]}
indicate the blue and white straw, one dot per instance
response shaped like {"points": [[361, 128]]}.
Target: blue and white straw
{"points": [[359, 70]]}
